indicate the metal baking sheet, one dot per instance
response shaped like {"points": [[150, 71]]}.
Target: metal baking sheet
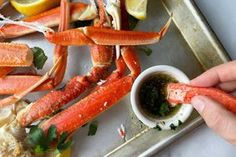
{"points": [[189, 45]]}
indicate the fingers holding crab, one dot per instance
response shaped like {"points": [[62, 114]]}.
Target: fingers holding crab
{"points": [[182, 93]]}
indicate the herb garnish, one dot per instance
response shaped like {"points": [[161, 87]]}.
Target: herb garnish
{"points": [[157, 127], [164, 109], [63, 143], [146, 50], [93, 128], [42, 142], [39, 57], [180, 122], [173, 127], [132, 22]]}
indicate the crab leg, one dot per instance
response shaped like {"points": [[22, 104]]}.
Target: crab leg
{"points": [[182, 93], [59, 50], [12, 84], [41, 81], [18, 83], [79, 11], [98, 101], [104, 36], [53, 101], [15, 55]]}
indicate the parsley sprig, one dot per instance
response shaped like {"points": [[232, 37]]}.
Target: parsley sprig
{"points": [[39, 57], [132, 22], [41, 142], [146, 50], [93, 128]]}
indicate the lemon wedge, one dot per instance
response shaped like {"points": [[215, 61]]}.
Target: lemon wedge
{"points": [[137, 8], [65, 153], [33, 7], [56, 153]]}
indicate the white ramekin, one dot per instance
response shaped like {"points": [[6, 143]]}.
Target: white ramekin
{"points": [[181, 115]]}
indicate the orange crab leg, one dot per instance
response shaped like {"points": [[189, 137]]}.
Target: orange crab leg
{"points": [[15, 55], [97, 102], [16, 83], [90, 107], [38, 82], [100, 99], [59, 50], [53, 101], [182, 93], [105, 36], [49, 19]]}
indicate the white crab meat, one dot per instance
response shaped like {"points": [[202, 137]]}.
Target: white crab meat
{"points": [[12, 135]]}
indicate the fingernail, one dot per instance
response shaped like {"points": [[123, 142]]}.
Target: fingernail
{"points": [[198, 103]]}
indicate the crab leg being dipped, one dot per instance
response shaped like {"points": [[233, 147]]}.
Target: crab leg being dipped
{"points": [[182, 93]]}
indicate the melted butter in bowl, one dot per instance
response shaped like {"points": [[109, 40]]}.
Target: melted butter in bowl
{"points": [[152, 96], [148, 98]]}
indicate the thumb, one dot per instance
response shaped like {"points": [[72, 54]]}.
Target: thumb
{"points": [[216, 117]]}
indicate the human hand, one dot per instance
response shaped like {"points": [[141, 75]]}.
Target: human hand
{"points": [[215, 115]]}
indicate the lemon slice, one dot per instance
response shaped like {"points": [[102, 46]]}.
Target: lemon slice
{"points": [[33, 7], [137, 8], [65, 153]]}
